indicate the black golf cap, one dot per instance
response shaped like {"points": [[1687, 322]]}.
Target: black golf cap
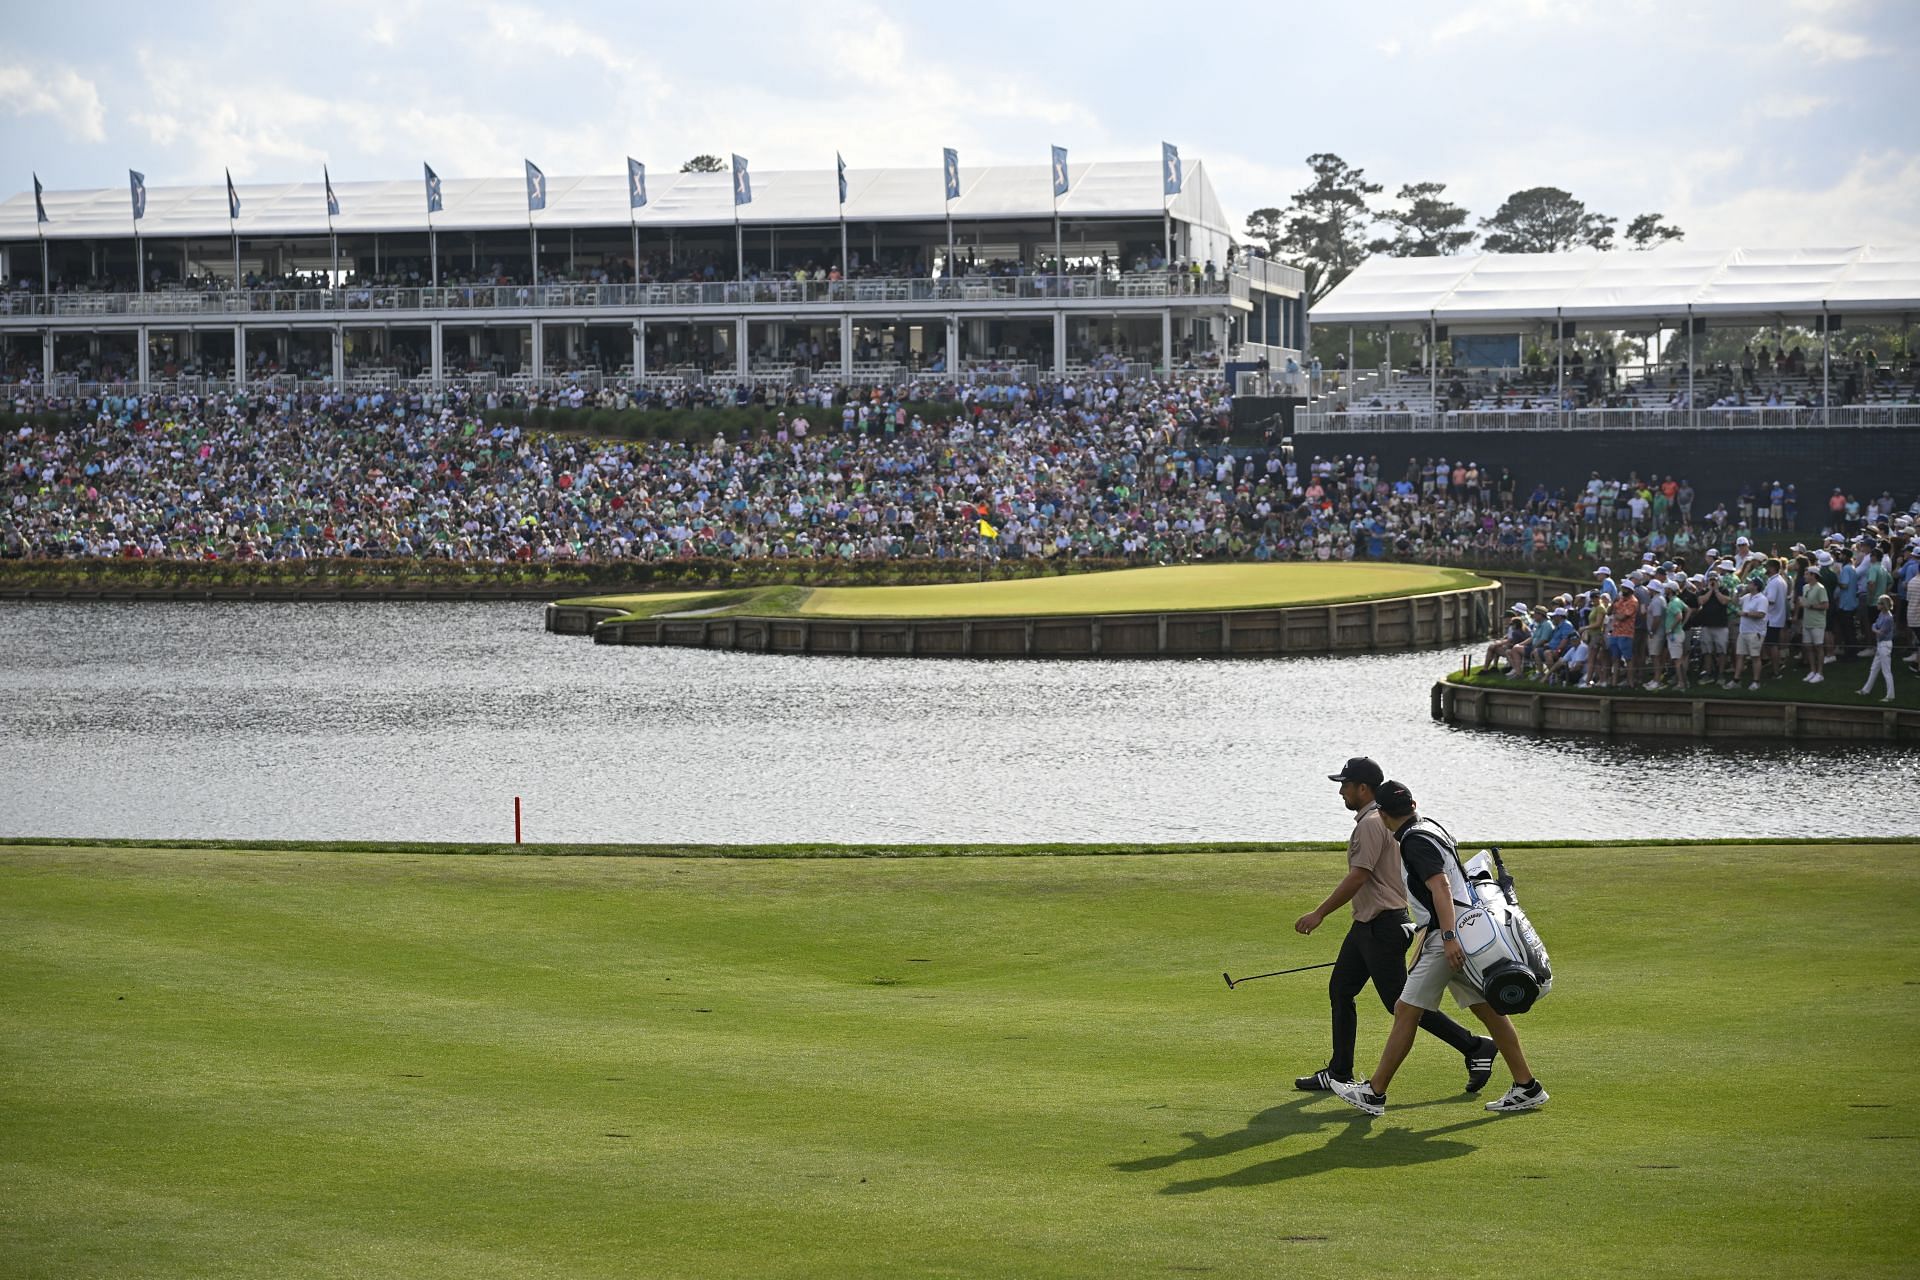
{"points": [[1394, 799], [1360, 769]]}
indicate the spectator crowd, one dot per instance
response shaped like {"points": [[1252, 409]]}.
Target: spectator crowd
{"points": [[1101, 468]]}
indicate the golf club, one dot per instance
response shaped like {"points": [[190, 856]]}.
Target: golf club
{"points": [[1233, 982]]}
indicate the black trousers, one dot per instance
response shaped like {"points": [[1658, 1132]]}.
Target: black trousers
{"points": [[1377, 951]]}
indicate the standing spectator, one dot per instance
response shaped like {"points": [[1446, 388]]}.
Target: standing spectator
{"points": [[1621, 621], [1813, 625], [1753, 633], [1882, 648], [1779, 593]]}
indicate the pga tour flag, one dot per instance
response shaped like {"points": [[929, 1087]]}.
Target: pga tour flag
{"points": [[950, 165], [536, 188], [40, 205], [1170, 168], [233, 198], [138, 182], [636, 184], [333, 201], [742, 185], [842, 166], [1060, 171], [433, 189]]}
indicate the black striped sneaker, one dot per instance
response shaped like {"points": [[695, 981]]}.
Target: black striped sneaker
{"points": [[1320, 1081], [1480, 1056]]}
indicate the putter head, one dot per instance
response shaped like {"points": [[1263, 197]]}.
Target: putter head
{"points": [[1229, 981]]}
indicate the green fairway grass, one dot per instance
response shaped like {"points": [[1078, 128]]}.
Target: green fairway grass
{"points": [[1166, 589], [292, 1063]]}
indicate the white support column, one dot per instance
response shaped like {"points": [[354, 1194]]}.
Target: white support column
{"points": [[1060, 343], [46, 357], [143, 355], [239, 356], [437, 340], [339, 355], [846, 348], [639, 350], [539, 351], [740, 346], [1166, 341], [953, 346]]}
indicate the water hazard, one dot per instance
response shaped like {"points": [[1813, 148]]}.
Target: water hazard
{"points": [[423, 721]]}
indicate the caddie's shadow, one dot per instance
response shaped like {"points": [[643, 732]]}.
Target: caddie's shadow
{"points": [[1355, 1144]]}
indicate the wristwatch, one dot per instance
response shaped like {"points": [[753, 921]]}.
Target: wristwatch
{"points": [[1448, 936]]}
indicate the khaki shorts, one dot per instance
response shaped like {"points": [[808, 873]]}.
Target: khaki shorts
{"points": [[1750, 643], [1714, 639], [1431, 975], [1813, 635]]}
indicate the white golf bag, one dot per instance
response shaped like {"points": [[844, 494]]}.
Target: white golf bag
{"points": [[1505, 957]]}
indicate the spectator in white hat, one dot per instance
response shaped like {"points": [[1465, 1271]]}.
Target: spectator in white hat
{"points": [[1813, 624]]}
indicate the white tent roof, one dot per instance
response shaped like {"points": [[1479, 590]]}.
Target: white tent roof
{"points": [[1124, 188], [1657, 284]]}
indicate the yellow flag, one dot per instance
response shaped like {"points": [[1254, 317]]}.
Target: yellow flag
{"points": [[988, 531]]}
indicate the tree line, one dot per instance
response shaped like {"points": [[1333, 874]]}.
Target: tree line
{"points": [[1334, 224]]}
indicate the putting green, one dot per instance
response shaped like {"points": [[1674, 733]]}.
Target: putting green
{"points": [[1157, 590], [334, 1064], [1168, 589]]}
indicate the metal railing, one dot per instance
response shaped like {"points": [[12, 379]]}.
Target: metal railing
{"points": [[1487, 420], [373, 300]]}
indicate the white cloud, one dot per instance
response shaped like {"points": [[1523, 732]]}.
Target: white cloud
{"points": [[60, 92], [1464, 23], [1389, 48], [1876, 200], [1828, 45], [1790, 106]]}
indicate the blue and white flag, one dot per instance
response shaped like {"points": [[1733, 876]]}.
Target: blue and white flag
{"points": [[950, 165], [842, 165], [433, 189], [39, 205], [138, 182], [742, 185], [333, 201], [233, 198], [536, 188], [636, 184], [1060, 183], [1170, 169]]}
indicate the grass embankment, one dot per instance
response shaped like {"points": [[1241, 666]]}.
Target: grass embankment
{"points": [[1840, 688], [1170, 589], [225, 1063]]}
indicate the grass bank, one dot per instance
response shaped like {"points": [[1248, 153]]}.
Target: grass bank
{"points": [[223, 1064], [1840, 688]]}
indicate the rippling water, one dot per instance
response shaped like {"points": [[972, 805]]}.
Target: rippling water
{"points": [[423, 721]]}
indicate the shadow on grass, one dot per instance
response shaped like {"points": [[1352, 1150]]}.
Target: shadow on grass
{"points": [[1354, 1145]]}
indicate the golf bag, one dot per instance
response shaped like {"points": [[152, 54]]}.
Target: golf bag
{"points": [[1505, 957]]}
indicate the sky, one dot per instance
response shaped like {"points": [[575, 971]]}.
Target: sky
{"points": [[1764, 123]]}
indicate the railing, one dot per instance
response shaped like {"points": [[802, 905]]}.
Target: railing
{"points": [[465, 298], [1371, 420], [1271, 276]]}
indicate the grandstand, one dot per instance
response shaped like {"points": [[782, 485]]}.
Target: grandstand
{"points": [[1003, 283], [1533, 341]]}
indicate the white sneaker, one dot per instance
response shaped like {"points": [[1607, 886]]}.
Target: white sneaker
{"points": [[1517, 1098], [1807, 678], [1359, 1095], [1816, 678], [1754, 685]]}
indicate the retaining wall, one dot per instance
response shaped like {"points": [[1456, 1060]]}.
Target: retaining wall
{"points": [[1670, 717], [1406, 622]]}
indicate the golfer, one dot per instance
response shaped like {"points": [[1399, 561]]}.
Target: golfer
{"points": [[1437, 887], [1376, 943]]}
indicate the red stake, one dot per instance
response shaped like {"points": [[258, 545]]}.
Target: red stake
{"points": [[516, 819]]}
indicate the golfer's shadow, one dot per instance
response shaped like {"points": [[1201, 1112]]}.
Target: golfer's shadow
{"points": [[1354, 1145]]}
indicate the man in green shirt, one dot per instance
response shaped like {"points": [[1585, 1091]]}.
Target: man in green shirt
{"points": [[1813, 625]]}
